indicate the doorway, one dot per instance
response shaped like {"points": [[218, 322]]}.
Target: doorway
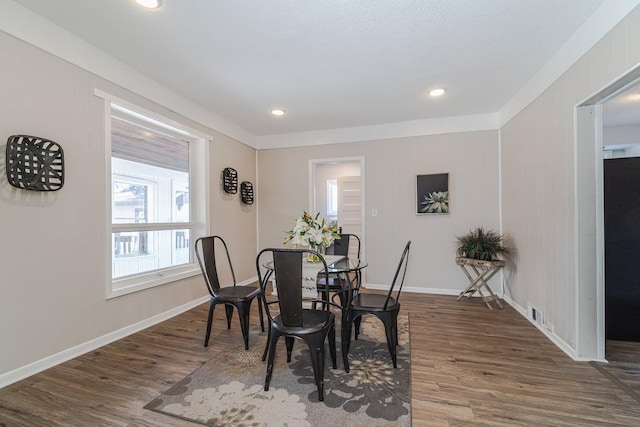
{"points": [[336, 190], [590, 119], [621, 173]]}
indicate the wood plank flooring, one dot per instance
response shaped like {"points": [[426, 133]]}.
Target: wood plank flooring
{"points": [[470, 367]]}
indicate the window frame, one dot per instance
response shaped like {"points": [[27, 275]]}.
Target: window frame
{"points": [[198, 196]]}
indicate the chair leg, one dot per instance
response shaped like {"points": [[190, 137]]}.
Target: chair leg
{"points": [[229, 310], [332, 347], [266, 347], [289, 343], [244, 309], [347, 323], [260, 311], [272, 355], [391, 330], [314, 303], [342, 298], [212, 306], [357, 321], [316, 348]]}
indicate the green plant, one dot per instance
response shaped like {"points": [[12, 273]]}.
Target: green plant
{"points": [[481, 244], [436, 202]]}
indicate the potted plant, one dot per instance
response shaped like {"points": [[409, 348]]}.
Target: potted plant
{"points": [[481, 244]]}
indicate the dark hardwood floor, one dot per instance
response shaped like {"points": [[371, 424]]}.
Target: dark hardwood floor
{"points": [[623, 367], [470, 367]]}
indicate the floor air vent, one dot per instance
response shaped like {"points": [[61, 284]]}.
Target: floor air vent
{"points": [[535, 315]]}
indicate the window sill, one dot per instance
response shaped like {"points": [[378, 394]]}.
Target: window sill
{"points": [[130, 285]]}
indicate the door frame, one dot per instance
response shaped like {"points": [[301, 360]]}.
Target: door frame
{"points": [[314, 163], [589, 218]]}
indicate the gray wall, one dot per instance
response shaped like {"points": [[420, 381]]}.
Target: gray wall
{"points": [[391, 167], [53, 259], [539, 189]]}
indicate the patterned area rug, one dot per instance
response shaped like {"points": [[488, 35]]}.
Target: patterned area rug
{"points": [[228, 390]]}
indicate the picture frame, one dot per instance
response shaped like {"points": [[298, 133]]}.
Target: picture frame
{"points": [[432, 194]]}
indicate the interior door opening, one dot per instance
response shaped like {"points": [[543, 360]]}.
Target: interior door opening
{"points": [[594, 144], [336, 190]]}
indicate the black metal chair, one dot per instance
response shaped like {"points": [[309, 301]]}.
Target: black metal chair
{"points": [[293, 320], [335, 283], [384, 307], [236, 296]]}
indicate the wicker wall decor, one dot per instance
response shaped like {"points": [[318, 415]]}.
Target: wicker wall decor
{"points": [[230, 181], [34, 163], [246, 192]]}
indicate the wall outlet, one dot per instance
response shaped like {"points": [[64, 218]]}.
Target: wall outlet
{"points": [[374, 212], [549, 326]]}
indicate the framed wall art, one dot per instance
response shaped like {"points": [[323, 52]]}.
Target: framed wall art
{"points": [[432, 194]]}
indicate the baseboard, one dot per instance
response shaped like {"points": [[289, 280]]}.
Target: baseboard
{"points": [[73, 352], [559, 342]]}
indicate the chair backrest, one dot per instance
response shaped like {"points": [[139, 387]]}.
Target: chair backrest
{"points": [[342, 245], [288, 269], [398, 278], [206, 254]]}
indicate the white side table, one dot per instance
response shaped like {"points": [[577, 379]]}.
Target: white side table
{"points": [[479, 272]]}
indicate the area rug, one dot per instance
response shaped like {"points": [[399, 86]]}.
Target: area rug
{"points": [[229, 389]]}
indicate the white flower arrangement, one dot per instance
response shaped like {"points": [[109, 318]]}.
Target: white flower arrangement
{"points": [[312, 231]]}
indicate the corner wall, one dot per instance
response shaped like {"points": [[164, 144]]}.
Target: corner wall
{"points": [[53, 261], [539, 188]]}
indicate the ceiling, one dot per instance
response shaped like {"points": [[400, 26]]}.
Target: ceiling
{"points": [[333, 63]]}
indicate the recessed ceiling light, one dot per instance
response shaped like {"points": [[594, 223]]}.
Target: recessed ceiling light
{"points": [[278, 112], [150, 4], [437, 92]]}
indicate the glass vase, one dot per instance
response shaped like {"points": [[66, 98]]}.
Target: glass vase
{"points": [[318, 248]]}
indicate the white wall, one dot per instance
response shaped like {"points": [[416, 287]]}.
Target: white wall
{"points": [[391, 167], [53, 260], [325, 172], [539, 187], [621, 135]]}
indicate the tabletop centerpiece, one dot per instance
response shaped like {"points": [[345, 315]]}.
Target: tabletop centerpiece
{"points": [[314, 232]]}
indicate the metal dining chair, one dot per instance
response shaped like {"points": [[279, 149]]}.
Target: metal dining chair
{"points": [[334, 284], [384, 307], [292, 320], [238, 297]]}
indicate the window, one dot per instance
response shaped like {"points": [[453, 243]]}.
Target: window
{"points": [[153, 220], [332, 199]]}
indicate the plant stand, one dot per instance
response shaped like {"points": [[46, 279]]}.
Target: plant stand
{"points": [[479, 272]]}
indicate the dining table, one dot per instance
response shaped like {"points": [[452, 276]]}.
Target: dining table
{"points": [[348, 269]]}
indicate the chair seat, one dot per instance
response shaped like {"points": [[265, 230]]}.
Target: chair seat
{"points": [[373, 302], [237, 293], [312, 321]]}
